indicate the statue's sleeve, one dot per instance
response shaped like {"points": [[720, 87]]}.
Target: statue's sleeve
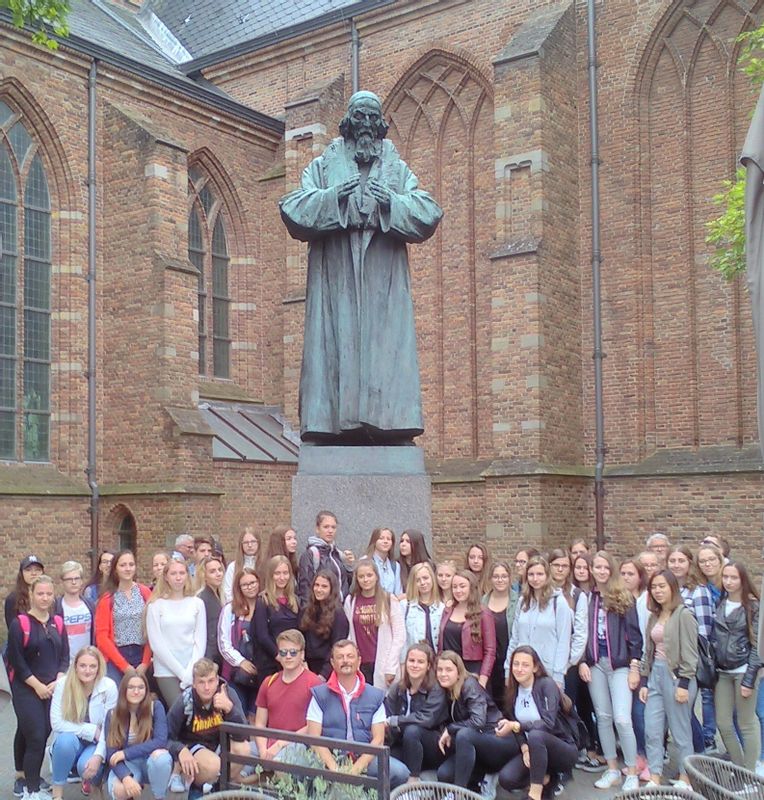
{"points": [[413, 215], [312, 210]]}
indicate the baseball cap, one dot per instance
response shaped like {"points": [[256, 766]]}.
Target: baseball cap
{"points": [[29, 561]]}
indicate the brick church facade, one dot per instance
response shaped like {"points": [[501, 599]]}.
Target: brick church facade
{"points": [[202, 123]]}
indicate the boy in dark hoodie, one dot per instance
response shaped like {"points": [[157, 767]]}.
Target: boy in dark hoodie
{"points": [[193, 726]]}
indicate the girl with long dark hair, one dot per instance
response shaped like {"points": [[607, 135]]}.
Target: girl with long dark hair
{"points": [[323, 622], [95, 586], [668, 674], [497, 601], [234, 640], [282, 542], [134, 741], [247, 555], [469, 741], [381, 549], [416, 706], [119, 628], [533, 706], [468, 629], [477, 560], [736, 646], [17, 601], [412, 549]]}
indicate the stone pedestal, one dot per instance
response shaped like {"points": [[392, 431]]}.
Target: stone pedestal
{"points": [[366, 487]]}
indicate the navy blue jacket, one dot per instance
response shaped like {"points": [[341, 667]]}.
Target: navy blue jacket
{"points": [[363, 705], [141, 750], [624, 639]]}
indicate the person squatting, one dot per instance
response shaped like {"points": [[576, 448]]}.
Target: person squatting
{"points": [[484, 671]]}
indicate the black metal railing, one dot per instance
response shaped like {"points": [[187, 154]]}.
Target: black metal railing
{"points": [[380, 783]]}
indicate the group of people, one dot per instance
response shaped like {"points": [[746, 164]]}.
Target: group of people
{"points": [[484, 671]]}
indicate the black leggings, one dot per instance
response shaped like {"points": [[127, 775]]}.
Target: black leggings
{"points": [[418, 749], [473, 754], [548, 754], [33, 717]]}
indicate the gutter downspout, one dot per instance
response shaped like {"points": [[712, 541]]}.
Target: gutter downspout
{"points": [[91, 281], [355, 57], [599, 487]]}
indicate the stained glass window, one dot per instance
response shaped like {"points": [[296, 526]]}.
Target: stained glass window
{"points": [[208, 252], [25, 294]]}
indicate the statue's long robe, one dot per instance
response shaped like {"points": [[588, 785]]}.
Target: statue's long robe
{"points": [[359, 364]]}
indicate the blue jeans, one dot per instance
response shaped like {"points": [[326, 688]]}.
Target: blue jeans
{"points": [[133, 653], [399, 772], [154, 770], [709, 716], [638, 721], [68, 750]]}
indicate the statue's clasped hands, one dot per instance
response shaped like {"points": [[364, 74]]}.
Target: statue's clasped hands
{"points": [[379, 192], [346, 188]]}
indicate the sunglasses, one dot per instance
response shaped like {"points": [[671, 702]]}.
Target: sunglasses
{"points": [[291, 653]]}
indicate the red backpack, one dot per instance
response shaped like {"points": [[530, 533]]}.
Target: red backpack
{"points": [[26, 632]]}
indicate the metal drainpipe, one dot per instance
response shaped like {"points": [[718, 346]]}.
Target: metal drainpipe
{"points": [[599, 487], [355, 57], [91, 281]]}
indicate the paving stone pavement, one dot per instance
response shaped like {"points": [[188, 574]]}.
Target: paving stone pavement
{"points": [[580, 788]]}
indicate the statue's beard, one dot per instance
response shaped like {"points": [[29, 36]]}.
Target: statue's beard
{"points": [[367, 148]]}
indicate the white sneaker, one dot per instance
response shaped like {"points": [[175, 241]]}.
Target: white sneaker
{"points": [[760, 769], [609, 778], [681, 785], [177, 784], [40, 794], [488, 786], [630, 782], [652, 785]]}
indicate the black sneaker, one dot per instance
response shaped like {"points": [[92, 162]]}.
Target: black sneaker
{"points": [[18, 787]]}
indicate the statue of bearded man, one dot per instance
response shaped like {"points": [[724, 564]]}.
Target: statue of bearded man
{"points": [[358, 207]]}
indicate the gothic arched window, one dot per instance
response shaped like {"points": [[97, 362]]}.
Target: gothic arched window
{"points": [[25, 294], [208, 252]]}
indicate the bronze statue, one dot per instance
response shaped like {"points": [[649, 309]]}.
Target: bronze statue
{"points": [[358, 207]]}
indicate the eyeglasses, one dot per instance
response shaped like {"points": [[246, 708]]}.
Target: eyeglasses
{"points": [[560, 566], [71, 580], [248, 585], [291, 653]]}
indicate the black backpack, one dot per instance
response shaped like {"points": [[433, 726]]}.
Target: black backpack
{"points": [[573, 724]]}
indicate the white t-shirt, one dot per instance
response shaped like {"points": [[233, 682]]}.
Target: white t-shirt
{"points": [[315, 714], [177, 633], [78, 622]]}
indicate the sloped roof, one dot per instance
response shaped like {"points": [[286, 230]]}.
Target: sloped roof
{"points": [[206, 26], [249, 432]]}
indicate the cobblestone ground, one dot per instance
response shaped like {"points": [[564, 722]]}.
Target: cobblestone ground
{"points": [[581, 788]]}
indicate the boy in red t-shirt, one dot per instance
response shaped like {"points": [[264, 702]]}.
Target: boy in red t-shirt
{"points": [[283, 700]]}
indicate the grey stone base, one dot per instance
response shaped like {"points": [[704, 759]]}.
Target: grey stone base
{"points": [[366, 487]]}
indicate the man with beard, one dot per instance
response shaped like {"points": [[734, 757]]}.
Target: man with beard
{"points": [[358, 207]]}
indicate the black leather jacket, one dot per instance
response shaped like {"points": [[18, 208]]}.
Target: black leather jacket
{"points": [[428, 709], [474, 708], [732, 642], [546, 696]]}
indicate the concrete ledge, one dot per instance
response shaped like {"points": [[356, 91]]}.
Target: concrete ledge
{"points": [[318, 460]]}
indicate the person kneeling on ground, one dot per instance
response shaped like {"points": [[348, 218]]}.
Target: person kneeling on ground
{"points": [[194, 722], [535, 709], [346, 707]]}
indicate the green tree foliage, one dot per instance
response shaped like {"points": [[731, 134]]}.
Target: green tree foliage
{"points": [[726, 233], [46, 18]]}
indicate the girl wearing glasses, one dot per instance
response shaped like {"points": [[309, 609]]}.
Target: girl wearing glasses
{"points": [[234, 641], [134, 742], [499, 603], [247, 555]]}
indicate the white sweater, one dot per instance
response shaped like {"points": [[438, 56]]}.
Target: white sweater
{"points": [[177, 633]]}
